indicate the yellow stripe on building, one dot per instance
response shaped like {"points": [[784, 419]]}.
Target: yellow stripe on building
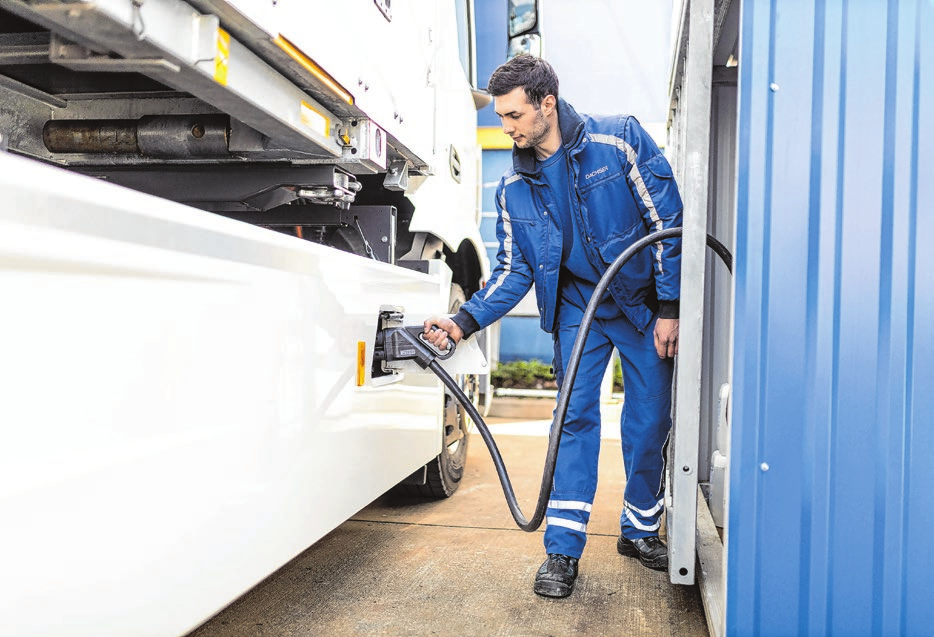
{"points": [[493, 138]]}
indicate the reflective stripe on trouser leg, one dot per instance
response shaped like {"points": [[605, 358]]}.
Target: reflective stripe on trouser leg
{"points": [[644, 425], [575, 479]]}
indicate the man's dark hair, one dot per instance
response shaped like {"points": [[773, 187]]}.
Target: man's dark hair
{"points": [[533, 74]]}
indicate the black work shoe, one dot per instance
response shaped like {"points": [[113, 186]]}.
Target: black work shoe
{"points": [[556, 576], [650, 551]]}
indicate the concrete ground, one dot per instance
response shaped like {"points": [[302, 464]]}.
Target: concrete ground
{"points": [[461, 567]]}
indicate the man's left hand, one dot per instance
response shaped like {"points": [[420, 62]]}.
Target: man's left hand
{"points": [[666, 337]]}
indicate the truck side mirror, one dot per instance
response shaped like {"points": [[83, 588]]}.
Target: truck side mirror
{"points": [[523, 16], [523, 29], [531, 44]]}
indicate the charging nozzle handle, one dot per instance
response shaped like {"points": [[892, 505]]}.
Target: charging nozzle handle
{"points": [[442, 355]]}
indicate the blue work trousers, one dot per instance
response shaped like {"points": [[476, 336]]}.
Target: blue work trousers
{"points": [[645, 424]]}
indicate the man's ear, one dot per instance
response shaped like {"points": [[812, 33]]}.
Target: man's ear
{"points": [[549, 104]]}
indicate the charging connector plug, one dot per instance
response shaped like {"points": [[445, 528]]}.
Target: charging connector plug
{"points": [[408, 344]]}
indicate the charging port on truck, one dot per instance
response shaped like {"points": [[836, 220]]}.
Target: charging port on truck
{"points": [[396, 343]]}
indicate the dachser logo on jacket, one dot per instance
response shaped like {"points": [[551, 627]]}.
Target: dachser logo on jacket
{"points": [[598, 171]]}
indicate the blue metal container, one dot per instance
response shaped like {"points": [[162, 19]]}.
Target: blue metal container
{"points": [[831, 486]]}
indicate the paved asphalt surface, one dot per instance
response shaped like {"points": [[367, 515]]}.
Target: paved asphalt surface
{"points": [[461, 567]]}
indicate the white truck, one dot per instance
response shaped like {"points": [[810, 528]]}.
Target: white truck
{"points": [[208, 208]]}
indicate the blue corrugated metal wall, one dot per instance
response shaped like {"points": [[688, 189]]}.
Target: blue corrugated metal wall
{"points": [[490, 17], [520, 337], [832, 489]]}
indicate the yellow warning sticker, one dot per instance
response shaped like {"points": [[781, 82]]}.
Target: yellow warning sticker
{"points": [[314, 120], [222, 57]]}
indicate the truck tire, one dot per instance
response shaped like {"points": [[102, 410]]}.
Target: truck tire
{"points": [[442, 475]]}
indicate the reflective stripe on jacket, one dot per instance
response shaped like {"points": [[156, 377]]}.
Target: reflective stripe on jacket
{"points": [[625, 189]]}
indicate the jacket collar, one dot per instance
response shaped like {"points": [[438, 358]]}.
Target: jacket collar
{"points": [[571, 126]]}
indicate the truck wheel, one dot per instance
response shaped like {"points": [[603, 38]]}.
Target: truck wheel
{"points": [[441, 477]]}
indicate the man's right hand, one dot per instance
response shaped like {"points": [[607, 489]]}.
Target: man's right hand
{"points": [[445, 329]]}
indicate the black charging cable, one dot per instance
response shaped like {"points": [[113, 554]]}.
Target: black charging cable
{"points": [[564, 395]]}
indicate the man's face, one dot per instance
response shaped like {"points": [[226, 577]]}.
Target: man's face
{"points": [[524, 123]]}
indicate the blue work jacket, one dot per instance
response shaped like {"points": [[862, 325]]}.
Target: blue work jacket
{"points": [[622, 189]]}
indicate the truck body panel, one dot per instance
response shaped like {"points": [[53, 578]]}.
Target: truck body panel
{"points": [[181, 416], [193, 400]]}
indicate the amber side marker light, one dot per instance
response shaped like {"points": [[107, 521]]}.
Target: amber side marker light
{"points": [[314, 69], [361, 363]]}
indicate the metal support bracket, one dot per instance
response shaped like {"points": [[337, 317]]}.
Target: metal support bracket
{"points": [[78, 58], [376, 224], [681, 488]]}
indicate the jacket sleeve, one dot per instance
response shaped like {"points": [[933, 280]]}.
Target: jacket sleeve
{"points": [[653, 187], [511, 278]]}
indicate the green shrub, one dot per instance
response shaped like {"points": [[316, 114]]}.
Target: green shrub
{"points": [[534, 374], [531, 374]]}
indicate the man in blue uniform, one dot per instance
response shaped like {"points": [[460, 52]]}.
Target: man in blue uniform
{"points": [[581, 190]]}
